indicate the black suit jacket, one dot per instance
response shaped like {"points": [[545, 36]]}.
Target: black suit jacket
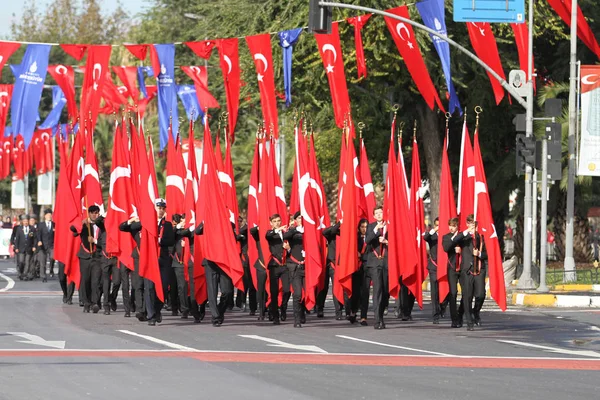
{"points": [[89, 250], [432, 240], [275, 244], [374, 248], [46, 236], [254, 233], [25, 243], [134, 229], [466, 243], [294, 237], [448, 245], [331, 235]]}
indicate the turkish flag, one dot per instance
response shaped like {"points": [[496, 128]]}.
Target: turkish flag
{"points": [[225, 174], [139, 51], [34, 154], [218, 242], [91, 189], [64, 75], [407, 45], [202, 49], [466, 180], [176, 177], [66, 213], [143, 103], [265, 199], [20, 159], [6, 50], [77, 51], [358, 23], [310, 207], [348, 246], [584, 32], [253, 217], [120, 202], [331, 54], [416, 207], [487, 229], [522, 41], [5, 98], [484, 44], [93, 82], [128, 75], [324, 219], [200, 77], [402, 255], [230, 67], [447, 210], [5, 155], [260, 49], [367, 182], [114, 97], [152, 167], [275, 187]]}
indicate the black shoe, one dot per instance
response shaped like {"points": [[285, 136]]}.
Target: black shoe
{"points": [[454, 325], [303, 318], [276, 322], [86, 309], [352, 319], [477, 321], [363, 322], [64, 299], [95, 308], [80, 303], [252, 313], [470, 327], [339, 316], [197, 320], [379, 326], [297, 325], [185, 315], [127, 314], [174, 313], [216, 323], [283, 316], [261, 317], [141, 316], [107, 311], [320, 314], [443, 314], [407, 318], [44, 280], [113, 304], [201, 316], [159, 318], [152, 322], [436, 321], [70, 302]]}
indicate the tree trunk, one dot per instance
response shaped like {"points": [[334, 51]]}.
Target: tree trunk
{"points": [[431, 143]]}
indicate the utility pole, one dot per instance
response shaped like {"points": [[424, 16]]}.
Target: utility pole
{"points": [[569, 265]]}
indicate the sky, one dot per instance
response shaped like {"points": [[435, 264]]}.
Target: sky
{"points": [[10, 7]]}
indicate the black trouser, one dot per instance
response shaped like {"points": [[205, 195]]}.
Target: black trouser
{"points": [[48, 260], [197, 310], [154, 305], [226, 291], [329, 273], [374, 274], [110, 273], [137, 282], [472, 287], [455, 312], [34, 264], [91, 274], [249, 288], [276, 273], [213, 277], [124, 273], [436, 309], [296, 275], [172, 290], [23, 264], [479, 293], [182, 287], [67, 289], [406, 301], [261, 291], [357, 291]]}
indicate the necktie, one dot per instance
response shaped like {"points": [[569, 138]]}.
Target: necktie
{"points": [[26, 231], [49, 225]]}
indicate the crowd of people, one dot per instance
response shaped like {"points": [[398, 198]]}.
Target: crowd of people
{"points": [[102, 275]]}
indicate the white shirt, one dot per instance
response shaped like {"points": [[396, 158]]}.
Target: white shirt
{"points": [[26, 230]]}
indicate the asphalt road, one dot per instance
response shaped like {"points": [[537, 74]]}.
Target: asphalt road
{"points": [[53, 351]]}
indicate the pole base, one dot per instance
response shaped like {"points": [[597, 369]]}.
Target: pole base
{"points": [[543, 288], [526, 283], [570, 272]]}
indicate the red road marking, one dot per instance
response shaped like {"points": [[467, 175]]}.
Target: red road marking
{"points": [[326, 359]]}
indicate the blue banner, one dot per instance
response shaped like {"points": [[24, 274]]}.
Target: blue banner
{"points": [[187, 95], [432, 13], [27, 91], [167, 89], [287, 40], [58, 103], [148, 71]]}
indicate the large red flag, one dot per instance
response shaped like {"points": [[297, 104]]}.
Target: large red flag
{"points": [[176, 175], [200, 77], [6, 144], [152, 166], [584, 32], [253, 215], [120, 202], [358, 23], [447, 210], [331, 54], [416, 207], [265, 198], [483, 215], [230, 67], [64, 75], [348, 246], [260, 48], [77, 51], [6, 50], [75, 175], [5, 98], [218, 242], [466, 179], [484, 44], [202, 49], [90, 188], [93, 80], [128, 75], [407, 45], [367, 182], [275, 184]]}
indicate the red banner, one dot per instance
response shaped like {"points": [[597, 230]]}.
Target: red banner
{"points": [[230, 67], [6, 50], [202, 49], [200, 77], [93, 81], [584, 32], [65, 78], [358, 23]]}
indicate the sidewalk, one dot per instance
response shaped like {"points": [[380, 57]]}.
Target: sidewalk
{"points": [[559, 296]]}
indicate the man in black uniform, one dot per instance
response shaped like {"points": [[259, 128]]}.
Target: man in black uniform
{"points": [[331, 233], [249, 289], [278, 269], [90, 253], [134, 227], [453, 272], [376, 267], [45, 243], [24, 246], [111, 274], [295, 265], [261, 276], [431, 238], [181, 234], [359, 291], [473, 256], [35, 256]]}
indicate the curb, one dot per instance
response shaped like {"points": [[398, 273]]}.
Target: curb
{"points": [[554, 300], [577, 288]]}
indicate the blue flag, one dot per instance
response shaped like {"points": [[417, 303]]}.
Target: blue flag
{"points": [[287, 40], [141, 78], [432, 13], [8, 131], [167, 93], [58, 103], [27, 91], [187, 94]]}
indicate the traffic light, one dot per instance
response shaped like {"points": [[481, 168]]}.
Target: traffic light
{"points": [[319, 18], [526, 151]]}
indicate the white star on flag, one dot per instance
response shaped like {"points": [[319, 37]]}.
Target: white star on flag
{"points": [[260, 77], [329, 69]]}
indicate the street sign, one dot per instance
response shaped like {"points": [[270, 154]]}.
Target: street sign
{"points": [[493, 11]]}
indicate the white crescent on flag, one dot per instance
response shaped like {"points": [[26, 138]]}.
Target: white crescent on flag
{"points": [[228, 62], [329, 47], [400, 28], [303, 185], [61, 69], [261, 57], [118, 172], [176, 181]]}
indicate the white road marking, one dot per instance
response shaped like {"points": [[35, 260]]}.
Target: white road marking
{"points": [[37, 340], [395, 346], [159, 341], [586, 353], [9, 285], [279, 343]]}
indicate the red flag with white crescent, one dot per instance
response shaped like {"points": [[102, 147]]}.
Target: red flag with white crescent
{"points": [[367, 182], [176, 177], [416, 207], [200, 77], [202, 49], [128, 75], [230, 67], [407, 45], [584, 32], [7, 49], [64, 76], [253, 216], [90, 188], [260, 49], [466, 180], [93, 81]]}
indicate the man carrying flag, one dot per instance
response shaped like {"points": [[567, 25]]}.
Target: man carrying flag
{"points": [[376, 265]]}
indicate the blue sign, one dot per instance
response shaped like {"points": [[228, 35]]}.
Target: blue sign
{"points": [[492, 11]]}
